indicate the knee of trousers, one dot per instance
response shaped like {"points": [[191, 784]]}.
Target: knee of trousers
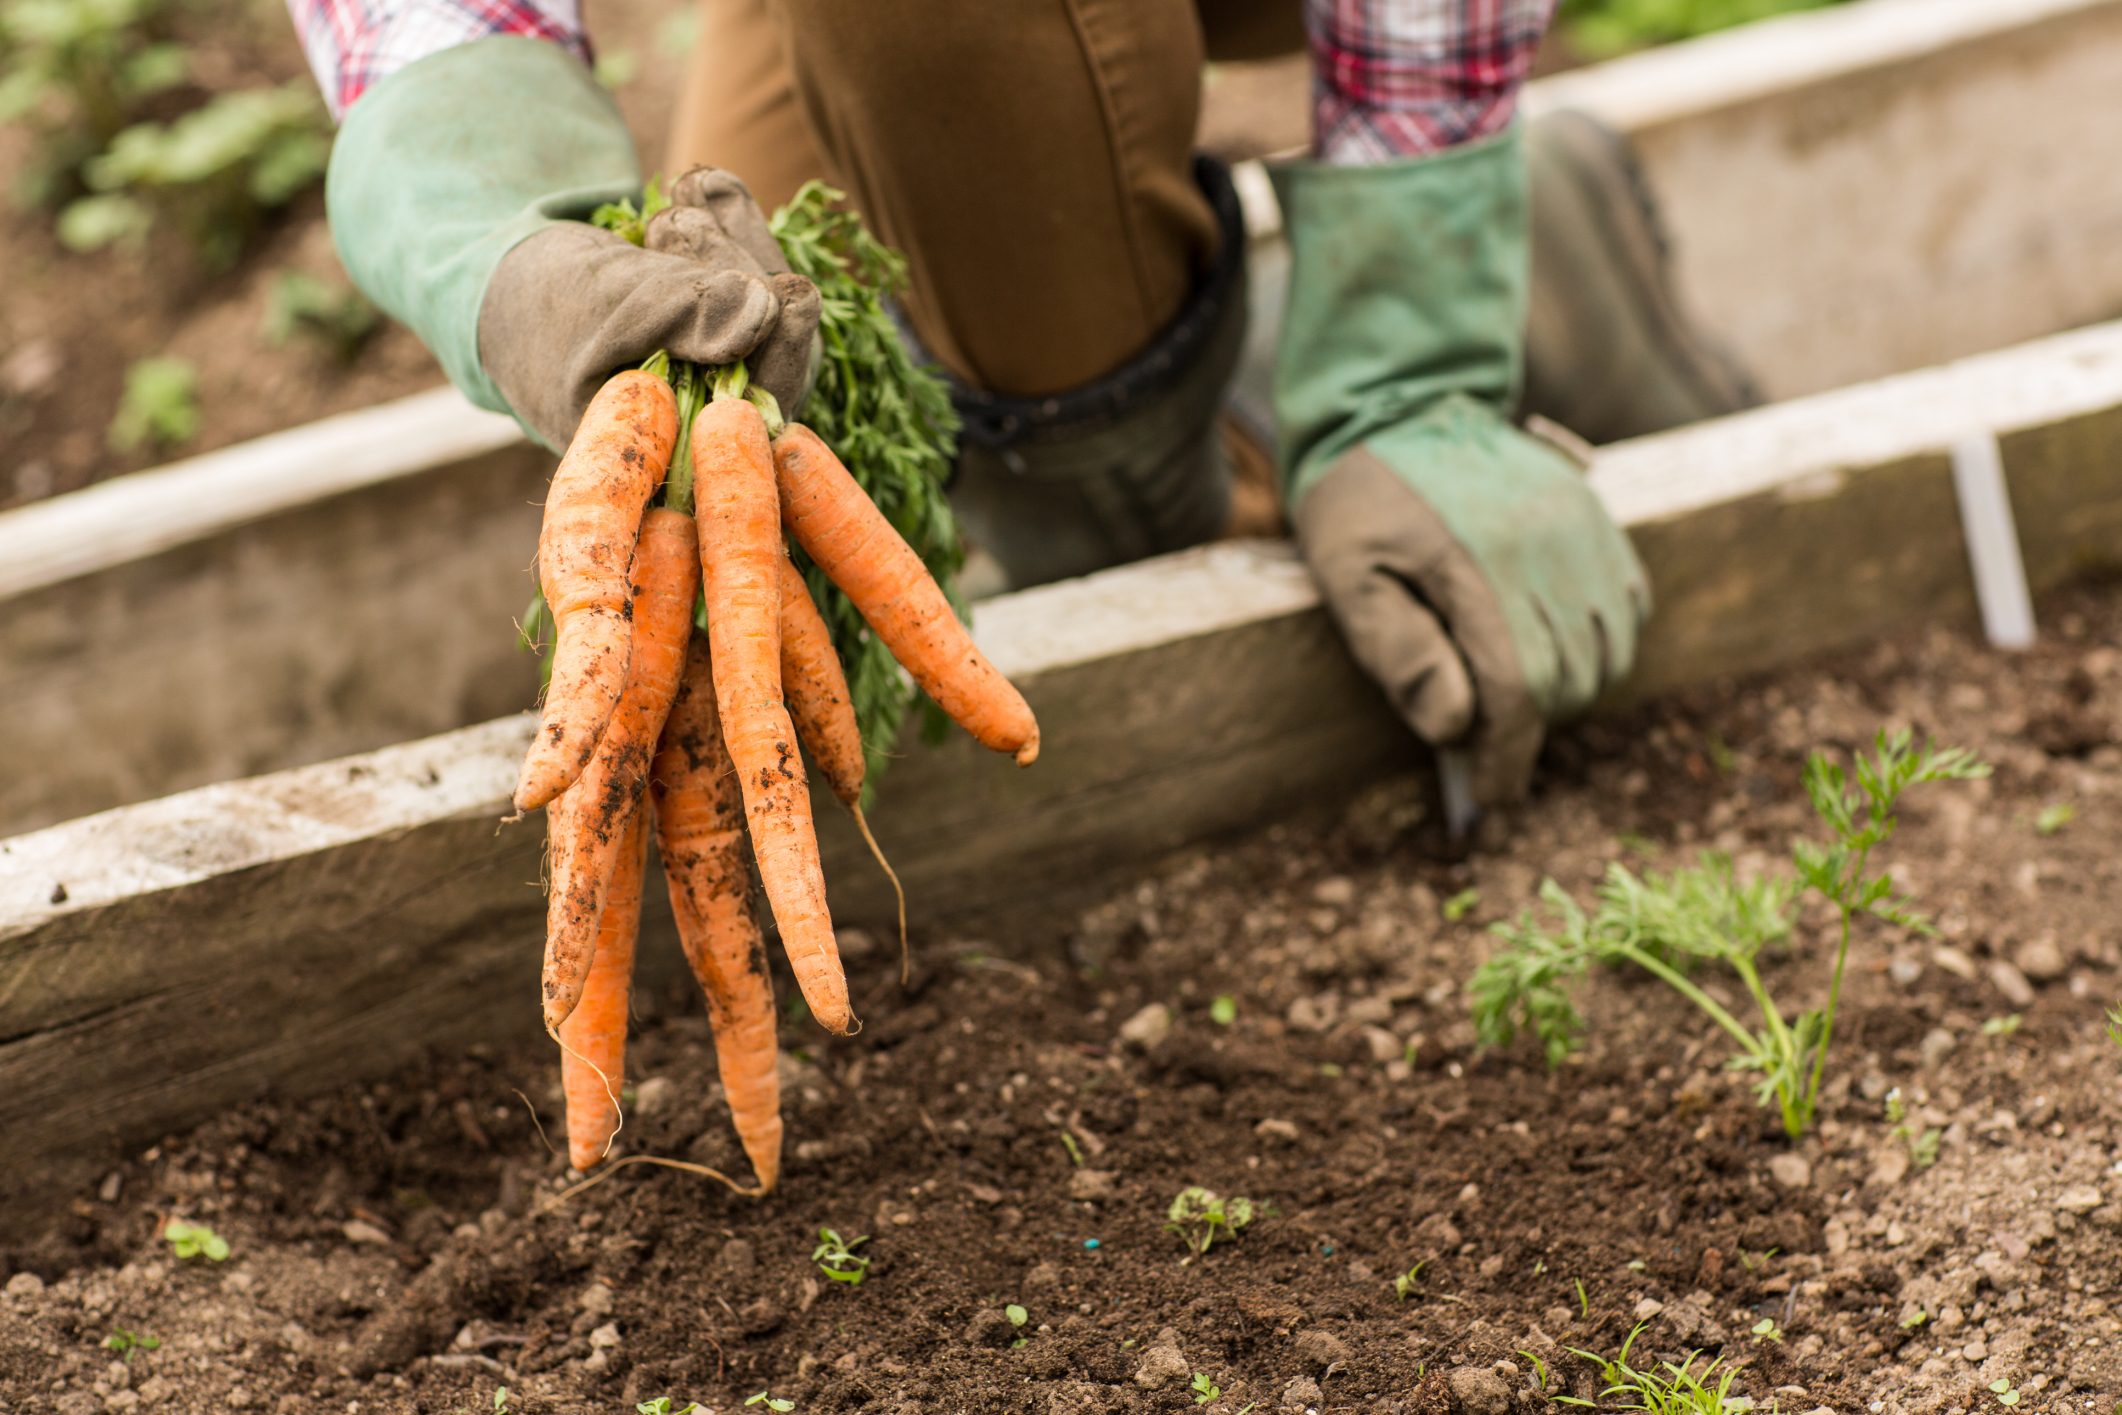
{"points": [[1128, 466]]}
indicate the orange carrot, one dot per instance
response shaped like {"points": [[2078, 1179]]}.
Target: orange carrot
{"points": [[586, 825], [700, 834], [593, 1038], [585, 550], [841, 529], [815, 687], [740, 557]]}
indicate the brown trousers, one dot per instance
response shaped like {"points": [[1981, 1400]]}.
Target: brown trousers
{"points": [[1031, 157]]}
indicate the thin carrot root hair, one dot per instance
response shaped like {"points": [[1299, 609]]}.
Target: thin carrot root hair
{"points": [[747, 1191], [617, 1109], [862, 824]]}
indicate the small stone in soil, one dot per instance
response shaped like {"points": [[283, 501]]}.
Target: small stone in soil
{"points": [[1317, 1349], [1301, 1394], [1147, 1027], [2012, 983], [2040, 960], [1791, 1171], [1161, 1366], [1090, 1186], [1479, 1392]]}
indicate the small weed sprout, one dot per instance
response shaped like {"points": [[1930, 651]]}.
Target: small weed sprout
{"points": [[1664, 923], [1584, 1302], [2114, 1026], [771, 1402], [838, 1260], [1670, 1390], [1922, 1146], [1074, 1148], [1404, 1284], [2001, 1026], [160, 405], [1017, 1318], [1223, 1011], [196, 1240], [501, 1400], [2007, 1394], [1204, 1389], [1460, 905], [2054, 818], [1914, 1320], [661, 1405], [1198, 1215], [1767, 1330], [125, 1343]]}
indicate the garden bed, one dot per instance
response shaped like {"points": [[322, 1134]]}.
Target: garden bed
{"points": [[1010, 1130]]}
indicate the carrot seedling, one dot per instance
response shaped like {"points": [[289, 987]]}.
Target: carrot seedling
{"points": [[661, 1405], [838, 1259], [1204, 1389], [1665, 923], [1922, 1144], [1017, 1318], [125, 1343], [196, 1240], [1404, 1284], [1223, 1011], [771, 1403], [1198, 1216]]}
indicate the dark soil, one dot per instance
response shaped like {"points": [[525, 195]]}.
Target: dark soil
{"points": [[1011, 1130]]}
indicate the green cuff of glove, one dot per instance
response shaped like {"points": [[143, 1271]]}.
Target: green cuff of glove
{"points": [[1408, 283], [446, 165]]}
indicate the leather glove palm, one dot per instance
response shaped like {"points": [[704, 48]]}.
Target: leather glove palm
{"points": [[1477, 577]]}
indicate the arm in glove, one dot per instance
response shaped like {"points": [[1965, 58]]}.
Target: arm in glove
{"points": [[1477, 577], [458, 190]]}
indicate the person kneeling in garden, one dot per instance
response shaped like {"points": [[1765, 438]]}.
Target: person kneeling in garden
{"points": [[1081, 276]]}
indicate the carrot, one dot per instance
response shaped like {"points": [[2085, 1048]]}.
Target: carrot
{"points": [[587, 824], [841, 529], [585, 548], [740, 556], [815, 687], [593, 1038], [700, 816]]}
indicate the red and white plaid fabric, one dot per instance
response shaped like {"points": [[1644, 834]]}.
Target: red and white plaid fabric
{"points": [[354, 44], [1400, 78]]}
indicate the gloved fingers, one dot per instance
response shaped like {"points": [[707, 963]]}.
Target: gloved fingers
{"points": [[725, 198], [713, 317], [690, 232], [1409, 653], [786, 360]]}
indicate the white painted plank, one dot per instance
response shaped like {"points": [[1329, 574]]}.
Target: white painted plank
{"points": [[215, 830], [1779, 55], [1986, 521], [130, 517], [1801, 447]]}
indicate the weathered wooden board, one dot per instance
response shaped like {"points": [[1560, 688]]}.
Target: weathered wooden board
{"points": [[298, 929], [1868, 189]]}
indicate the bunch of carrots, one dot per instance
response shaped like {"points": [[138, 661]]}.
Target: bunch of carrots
{"points": [[689, 666], [654, 724]]}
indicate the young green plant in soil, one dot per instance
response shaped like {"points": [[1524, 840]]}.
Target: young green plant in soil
{"points": [[1199, 1215], [1670, 1390], [1665, 924]]}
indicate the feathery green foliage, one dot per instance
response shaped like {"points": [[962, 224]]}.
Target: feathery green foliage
{"points": [[1598, 29], [1661, 923]]}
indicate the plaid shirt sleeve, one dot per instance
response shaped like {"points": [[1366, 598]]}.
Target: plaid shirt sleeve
{"points": [[353, 44], [1401, 78]]}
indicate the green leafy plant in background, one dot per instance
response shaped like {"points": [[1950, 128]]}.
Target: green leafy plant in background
{"points": [[160, 405], [195, 1240], [1598, 29], [216, 171], [771, 1403], [838, 1260], [1660, 922], [125, 1343], [889, 420], [338, 317], [1199, 1216], [661, 1405], [74, 73], [2114, 1025]]}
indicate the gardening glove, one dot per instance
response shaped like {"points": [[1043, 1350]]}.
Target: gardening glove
{"points": [[458, 190], [1476, 576]]}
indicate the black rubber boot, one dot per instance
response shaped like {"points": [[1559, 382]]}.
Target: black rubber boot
{"points": [[1130, 466]]}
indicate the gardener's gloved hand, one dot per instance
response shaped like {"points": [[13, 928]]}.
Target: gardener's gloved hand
{"points": [[1476, 575], [459, 191], [572, 304]]}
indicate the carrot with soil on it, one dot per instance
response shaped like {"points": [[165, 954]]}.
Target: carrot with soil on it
{"points": [[841, 529], [587, 824], [815, 687], [593, 1038], [585, 552], [741, 551], [700, 817]]}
